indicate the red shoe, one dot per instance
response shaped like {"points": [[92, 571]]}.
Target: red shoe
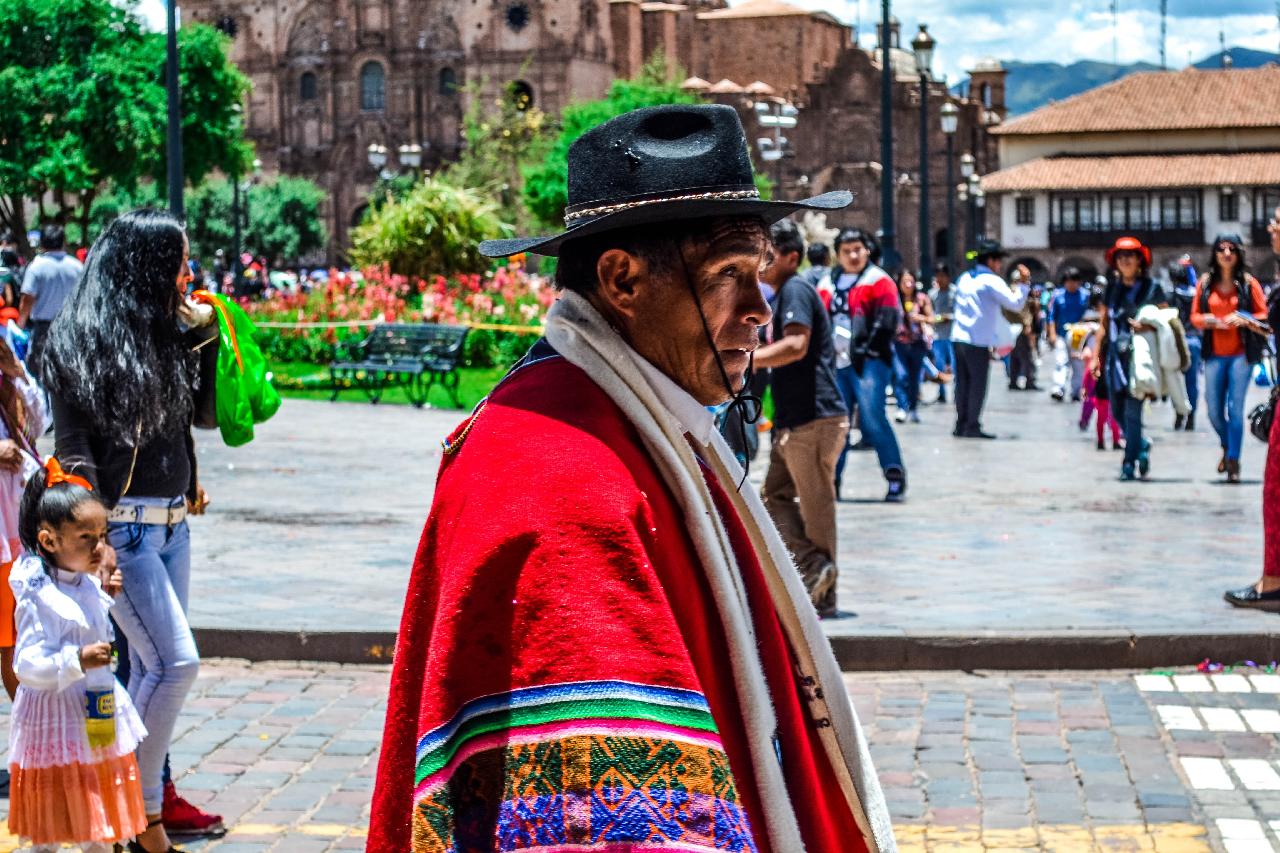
{"points": [[182, 818]]}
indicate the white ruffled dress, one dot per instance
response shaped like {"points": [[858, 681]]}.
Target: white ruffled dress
{"points": [[63, 789]]}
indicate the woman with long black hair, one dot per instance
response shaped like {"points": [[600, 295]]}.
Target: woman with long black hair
{"points": [[1131, 287], [128, 378], [1230, 309]]}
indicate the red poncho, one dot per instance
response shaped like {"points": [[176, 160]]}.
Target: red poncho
{"points": [[561, 679]]}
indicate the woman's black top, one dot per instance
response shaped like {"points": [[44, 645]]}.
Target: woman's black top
{"points": [[1123, 303], [166, 465]]}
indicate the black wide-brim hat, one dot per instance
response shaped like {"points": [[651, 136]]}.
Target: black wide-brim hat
{"points": [[660, 164]]}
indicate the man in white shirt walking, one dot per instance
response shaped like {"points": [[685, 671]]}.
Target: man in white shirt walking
{"points": [[48, 282], [979, 295]]}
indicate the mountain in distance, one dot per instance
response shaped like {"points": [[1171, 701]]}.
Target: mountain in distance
{"points": [[1031, 85]]}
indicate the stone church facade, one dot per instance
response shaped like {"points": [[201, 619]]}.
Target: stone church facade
{"points": [[332, 77]]}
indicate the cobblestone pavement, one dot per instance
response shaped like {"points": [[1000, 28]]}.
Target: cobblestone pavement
{"points": [[988, 761], [315, 523]]}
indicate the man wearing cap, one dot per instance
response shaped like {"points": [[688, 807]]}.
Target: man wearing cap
{"points": [[605, 644], [980, 295], [1067, 307]]}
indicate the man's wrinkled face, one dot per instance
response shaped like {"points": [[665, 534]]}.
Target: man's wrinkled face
{"points": [[662, 322]]}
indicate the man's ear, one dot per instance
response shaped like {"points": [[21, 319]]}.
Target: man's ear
{"points": [[621, 276]]}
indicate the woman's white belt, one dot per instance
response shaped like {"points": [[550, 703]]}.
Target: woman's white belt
{"points": [[139, 514]]}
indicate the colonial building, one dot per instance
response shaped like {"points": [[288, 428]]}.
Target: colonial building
{"points": [[1170, 157], [333, 77]]}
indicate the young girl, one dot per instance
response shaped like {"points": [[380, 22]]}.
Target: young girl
{"points": [[73, 730], [1092, 400]]}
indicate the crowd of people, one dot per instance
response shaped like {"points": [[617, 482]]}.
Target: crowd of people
{"points": [[614, 581], [851, 338]]}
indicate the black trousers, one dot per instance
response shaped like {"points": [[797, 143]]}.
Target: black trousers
{"points": [[973, 367]]}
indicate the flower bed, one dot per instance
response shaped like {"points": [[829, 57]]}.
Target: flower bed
{"points": [[506, 296]]}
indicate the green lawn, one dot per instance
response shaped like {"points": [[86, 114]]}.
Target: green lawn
{"points": [[474, 384]]}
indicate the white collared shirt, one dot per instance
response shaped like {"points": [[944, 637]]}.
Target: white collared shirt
{"points": [[695, 418]]}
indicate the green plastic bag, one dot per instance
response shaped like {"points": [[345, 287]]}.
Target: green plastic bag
{"points": [[244, 395]]}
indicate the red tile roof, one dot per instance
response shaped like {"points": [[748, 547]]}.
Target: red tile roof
{"points": [[1141, 172], [1163, 100]]}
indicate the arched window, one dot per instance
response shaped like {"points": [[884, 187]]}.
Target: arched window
{"points": [[986, 95], [307, 86], [522, 95], [448, 81], [373, 87]]}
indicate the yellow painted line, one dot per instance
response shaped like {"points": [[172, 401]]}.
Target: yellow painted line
{"points": [[1054, 838], [257, 829], [321, 830], [327, 830]]}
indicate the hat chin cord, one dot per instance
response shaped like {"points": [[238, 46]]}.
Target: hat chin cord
{"points": [[748, 406]]}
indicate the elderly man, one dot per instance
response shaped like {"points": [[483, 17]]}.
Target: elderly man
{"points": [[605, 645]]}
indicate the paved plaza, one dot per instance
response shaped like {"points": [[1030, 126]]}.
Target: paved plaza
{"points": [[313, 526], [986, 761]]}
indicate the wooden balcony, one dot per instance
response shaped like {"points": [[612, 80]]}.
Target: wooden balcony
{"points": [[1103, 236]]}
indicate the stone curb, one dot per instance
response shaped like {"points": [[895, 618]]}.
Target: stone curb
{"points": [[855, 652]]}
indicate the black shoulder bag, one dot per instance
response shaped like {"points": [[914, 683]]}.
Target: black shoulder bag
{"points": [[1264, 413]]}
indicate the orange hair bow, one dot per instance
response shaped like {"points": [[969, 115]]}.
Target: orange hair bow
{"points": [[57, 475]]}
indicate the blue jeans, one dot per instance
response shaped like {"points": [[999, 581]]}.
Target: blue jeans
{"points": [[944, 355], [151, 610], [908, 370], [870, 388], [1192, 374], [1128, 413], [1225, 382]]}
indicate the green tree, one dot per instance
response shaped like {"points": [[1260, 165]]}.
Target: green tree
{"points": [[435, 229], [85, 106], [546, 184], [503, 138], [284, 219]]}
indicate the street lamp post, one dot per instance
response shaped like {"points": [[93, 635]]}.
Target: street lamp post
{"points": [[239, 216], [968, 169], [888, 251], [923, 45], [950, 119], [174, 147], [777, 114], [975, 199]]}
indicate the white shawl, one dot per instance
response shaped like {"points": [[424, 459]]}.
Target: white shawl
{"points": [[585, 339]]}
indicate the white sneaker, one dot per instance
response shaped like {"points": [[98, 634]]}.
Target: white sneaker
{"points": [[901, 416]]}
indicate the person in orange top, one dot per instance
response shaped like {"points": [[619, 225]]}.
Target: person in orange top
{"points": [[1230, 306]]}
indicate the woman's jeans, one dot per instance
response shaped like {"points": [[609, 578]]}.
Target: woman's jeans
{"points": [[1226, 380], [909, 367], [151, 611], [1128, 411], [870, 388]]}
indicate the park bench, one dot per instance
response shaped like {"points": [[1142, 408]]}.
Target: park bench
{"points": [[412, 356]]}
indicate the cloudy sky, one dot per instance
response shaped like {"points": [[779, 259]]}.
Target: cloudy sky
{"points": [[1068, 30], [1035, 30]]}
